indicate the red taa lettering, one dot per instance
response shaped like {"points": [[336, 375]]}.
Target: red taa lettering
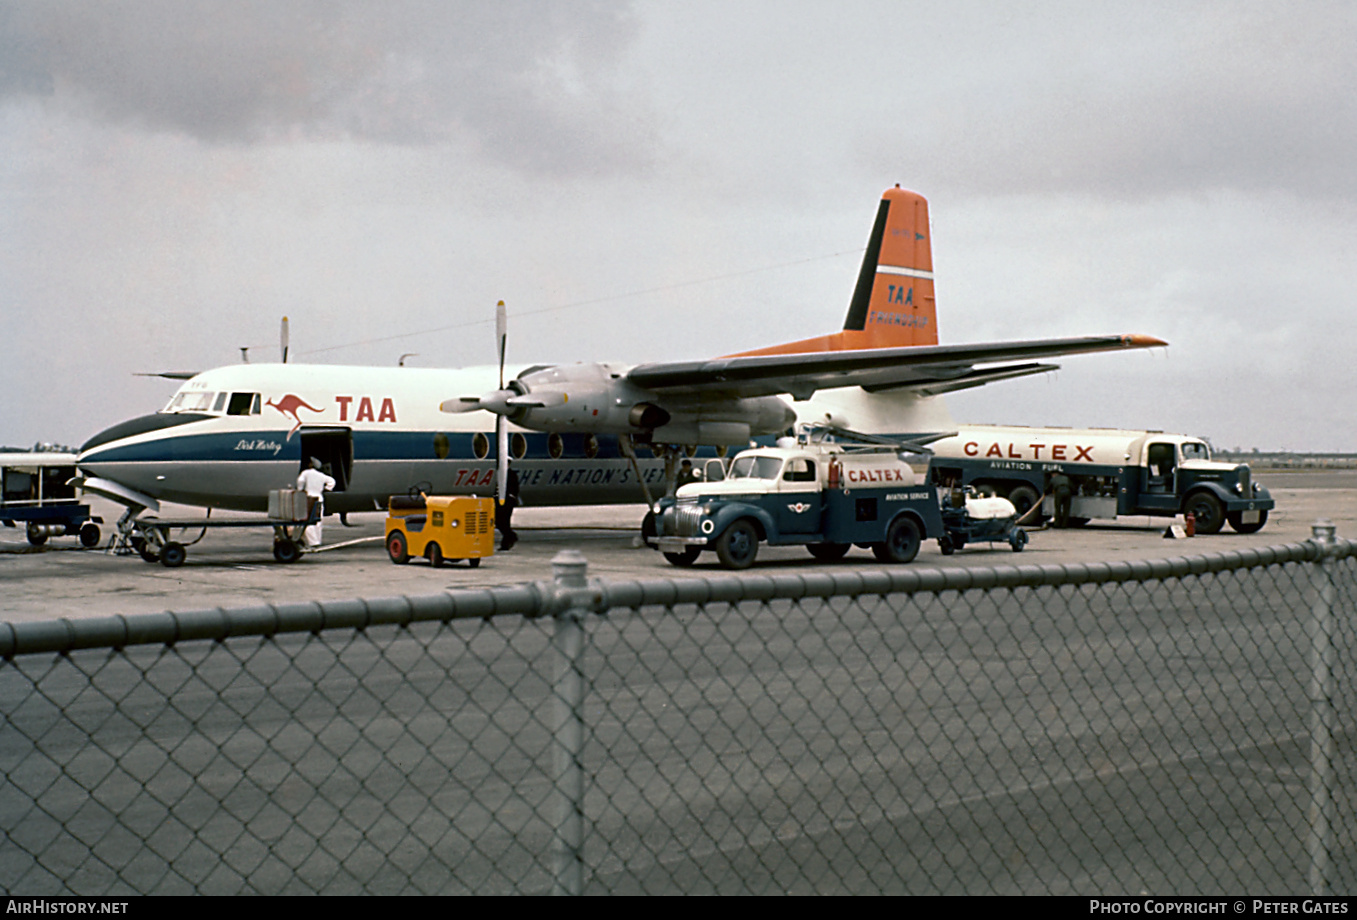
{"points": [[343, 407], [388, 413], [364, 410]]}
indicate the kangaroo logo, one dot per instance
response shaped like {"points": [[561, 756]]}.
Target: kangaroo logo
{"points": [[289, 405]]}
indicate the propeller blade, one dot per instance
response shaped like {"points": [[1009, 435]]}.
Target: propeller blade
{"points": [[546, 400], [502, 456], [460, 404], [283, 339], [501, 337]]}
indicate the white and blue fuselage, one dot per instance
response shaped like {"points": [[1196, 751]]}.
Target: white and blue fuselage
{"points": [[232, 434]]}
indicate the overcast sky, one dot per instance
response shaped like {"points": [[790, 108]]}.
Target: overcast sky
{"points": [[672, 180]]}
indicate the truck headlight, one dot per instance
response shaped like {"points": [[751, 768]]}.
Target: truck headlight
{"points": [[708, 525]]}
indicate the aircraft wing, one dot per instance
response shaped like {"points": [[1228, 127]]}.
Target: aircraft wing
{"points": [[928, 369]]}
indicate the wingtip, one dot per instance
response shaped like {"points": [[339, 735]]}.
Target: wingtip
{"points": [[1142, 341]]}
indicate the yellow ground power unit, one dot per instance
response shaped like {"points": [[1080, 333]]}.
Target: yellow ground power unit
{"points": [[440, 528]]}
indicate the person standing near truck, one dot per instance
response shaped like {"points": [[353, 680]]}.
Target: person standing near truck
{"points": [[1058, 484]]}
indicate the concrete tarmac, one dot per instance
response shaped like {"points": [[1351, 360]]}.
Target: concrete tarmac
{"points": [[233, 568]]}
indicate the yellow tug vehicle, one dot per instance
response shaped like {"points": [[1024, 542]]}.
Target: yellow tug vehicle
{"points": [[440, 528]]}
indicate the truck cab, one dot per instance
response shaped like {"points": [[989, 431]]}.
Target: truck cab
{"points": [[1177, 473], [826, 497]]}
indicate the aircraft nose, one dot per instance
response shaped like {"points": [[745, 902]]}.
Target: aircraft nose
{"points": [[135, 426]]}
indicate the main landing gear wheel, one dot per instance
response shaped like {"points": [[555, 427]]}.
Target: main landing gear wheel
{"points": [[737, 547], [902, 542], [396, 548], [286, 551], [172, 555]]}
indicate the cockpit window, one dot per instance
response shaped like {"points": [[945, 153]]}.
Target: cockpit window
{"points": [[191, 402], [243, 404], [1195, 450], [221, 401]]}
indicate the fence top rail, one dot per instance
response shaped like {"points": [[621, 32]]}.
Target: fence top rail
{"points": [[545, 598]]}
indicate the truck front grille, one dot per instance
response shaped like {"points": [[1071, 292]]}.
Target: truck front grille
{"points": [[683, 521]]}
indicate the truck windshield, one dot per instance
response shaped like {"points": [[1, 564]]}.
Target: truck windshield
{"points": [[1195, 450], [756, 468]]}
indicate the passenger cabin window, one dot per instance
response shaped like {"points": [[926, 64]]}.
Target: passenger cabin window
{"points": [[243, 404], [799, 469]]}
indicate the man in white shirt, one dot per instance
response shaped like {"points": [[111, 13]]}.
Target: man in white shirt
{"points": [[315, 484]]}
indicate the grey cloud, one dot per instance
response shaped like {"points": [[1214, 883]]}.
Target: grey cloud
{"points": [[1147, 99], [529, 85]]}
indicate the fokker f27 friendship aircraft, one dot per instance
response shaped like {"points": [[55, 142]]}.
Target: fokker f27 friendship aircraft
{"points": [[230, 435]]}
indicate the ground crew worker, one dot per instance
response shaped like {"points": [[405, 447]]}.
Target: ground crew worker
{"points": [[504, 513], [315, 484], [1062, 492], [686, 475]]}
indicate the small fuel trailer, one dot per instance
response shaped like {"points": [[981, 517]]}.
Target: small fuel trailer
{"points": [[825, 496], [441, 528]]}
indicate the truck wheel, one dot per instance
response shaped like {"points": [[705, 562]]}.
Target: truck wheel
{"points": [[36, 535], [737, 547], [648, 528], [172, 555], [1207, 509], [1023, 498], [396, 547], [89, 535], [828, 552], [902, 542], [435, 554], [1236, 519], [946, 545], [685, 558]]}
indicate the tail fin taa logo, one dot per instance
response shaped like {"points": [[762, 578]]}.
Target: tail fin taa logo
{"points": [[289, 405]]}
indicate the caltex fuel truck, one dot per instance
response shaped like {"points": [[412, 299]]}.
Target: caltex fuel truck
{"points": [[1111, 472]]}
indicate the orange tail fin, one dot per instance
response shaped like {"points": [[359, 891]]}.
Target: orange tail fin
{"points": [[893, 302]]}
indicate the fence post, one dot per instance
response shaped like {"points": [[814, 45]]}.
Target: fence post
{"points": [[1320, 816], [567, 867]]}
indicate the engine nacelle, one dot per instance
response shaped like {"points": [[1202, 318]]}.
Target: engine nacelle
{"points": [[598, 399]]}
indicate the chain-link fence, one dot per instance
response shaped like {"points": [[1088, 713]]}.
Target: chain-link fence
{"points": [[1175, 726]]}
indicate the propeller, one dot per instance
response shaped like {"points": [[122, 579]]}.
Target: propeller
{"points": [[501, 423]]}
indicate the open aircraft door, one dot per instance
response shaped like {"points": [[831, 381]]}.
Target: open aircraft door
{"points": [[333, 447]]}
